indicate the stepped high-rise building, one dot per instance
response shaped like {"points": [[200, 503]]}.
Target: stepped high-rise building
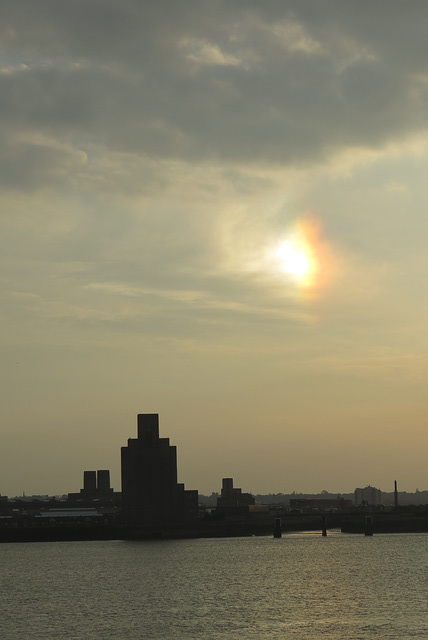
{"points": [[152, 499]]}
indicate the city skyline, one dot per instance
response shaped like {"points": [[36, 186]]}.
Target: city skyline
{"points": [[96, 483], [215, 211]]}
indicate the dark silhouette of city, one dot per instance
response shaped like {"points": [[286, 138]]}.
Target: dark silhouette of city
{"points": [[153, 504]]}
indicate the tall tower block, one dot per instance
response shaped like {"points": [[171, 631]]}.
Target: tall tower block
{"points": [[151, 496]]}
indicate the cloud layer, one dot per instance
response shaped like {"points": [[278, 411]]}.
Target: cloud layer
{"points": [[280, 83]]}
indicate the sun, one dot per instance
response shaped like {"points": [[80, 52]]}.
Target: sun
{"points": [[299, 253], [295, 259]]}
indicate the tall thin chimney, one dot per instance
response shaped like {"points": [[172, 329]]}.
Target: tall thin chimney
{"points": [[395, 494]]}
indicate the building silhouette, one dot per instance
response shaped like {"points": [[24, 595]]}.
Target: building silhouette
{"points": [[368, 496], [152, 499], [89, 483], [320, 504], [96, 486], [232, 500]]}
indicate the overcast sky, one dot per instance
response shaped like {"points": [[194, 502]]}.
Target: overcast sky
{"points": [[215, 211]]}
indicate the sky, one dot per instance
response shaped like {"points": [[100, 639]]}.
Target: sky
{"points": [[215, 211]]}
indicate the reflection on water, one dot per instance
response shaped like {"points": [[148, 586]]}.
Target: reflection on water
{"points": [[304, 586]]}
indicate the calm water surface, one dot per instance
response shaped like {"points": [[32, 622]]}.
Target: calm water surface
{"points": [[302, 586]]}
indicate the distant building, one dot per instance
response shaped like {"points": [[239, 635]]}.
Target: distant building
{"points": [[232, 500], [368, 496], [62, 514], [96, 486], [152, 498], [4, 505], [320, 504]]}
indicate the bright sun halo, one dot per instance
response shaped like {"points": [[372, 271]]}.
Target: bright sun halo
{"points": [[294, 259], [300, 252]]}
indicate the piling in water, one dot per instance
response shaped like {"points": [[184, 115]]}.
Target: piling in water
{"points": [[368, 530], [324, 524]]}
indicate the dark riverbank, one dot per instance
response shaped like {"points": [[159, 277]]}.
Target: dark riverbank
{"points": [[386, 523], [112, 529]]}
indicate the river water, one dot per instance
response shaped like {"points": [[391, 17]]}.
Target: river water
{"points": [[302, 586]]}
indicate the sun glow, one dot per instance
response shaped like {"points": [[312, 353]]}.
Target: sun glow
{"points": [[300, 252], [294, 259]]}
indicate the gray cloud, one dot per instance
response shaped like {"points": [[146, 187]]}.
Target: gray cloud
{"points": [[30, 162], [283, 82]]}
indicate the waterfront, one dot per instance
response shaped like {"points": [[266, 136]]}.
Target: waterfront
{"points": [[341, 587]]}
